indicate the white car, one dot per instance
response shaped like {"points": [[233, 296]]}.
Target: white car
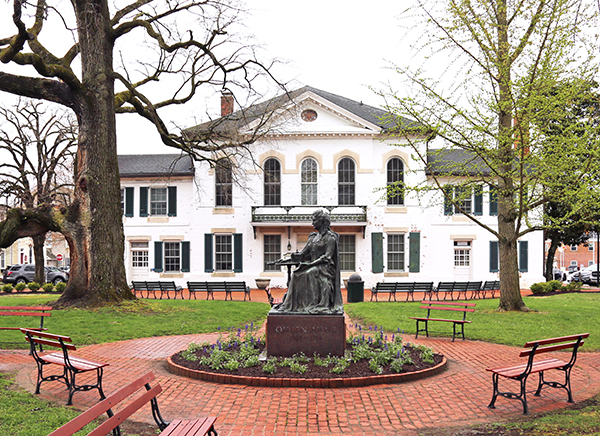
{"points": [[583, 276]]}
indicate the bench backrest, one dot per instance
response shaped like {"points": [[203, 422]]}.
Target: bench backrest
{"points": [[236, 286], [216, 286], [197, 286], [491, 285], [42, 338], [138, 286], [108, 403], [404, 286], [25, 310], [445, 286], [474, 286], [423, 286], [554, 344], [448, 305], [167, 286], [385, 286], [153, 286], [461, 286]]}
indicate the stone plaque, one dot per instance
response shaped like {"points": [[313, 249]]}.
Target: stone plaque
{"points": [[292, 334]]}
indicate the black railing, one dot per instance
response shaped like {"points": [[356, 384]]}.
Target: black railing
{"points": [[298, 214]]}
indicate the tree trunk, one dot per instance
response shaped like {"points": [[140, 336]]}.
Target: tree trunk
{"points": [[38, 255], [94, 227], [550, 261]]}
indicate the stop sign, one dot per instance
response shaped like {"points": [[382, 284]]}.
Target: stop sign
{"points": [[59, 257]]}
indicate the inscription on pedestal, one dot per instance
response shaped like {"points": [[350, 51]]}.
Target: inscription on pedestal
{"points": [[309, 334]]}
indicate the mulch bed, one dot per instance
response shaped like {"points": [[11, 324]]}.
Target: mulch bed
{"points": [[358, 369]]}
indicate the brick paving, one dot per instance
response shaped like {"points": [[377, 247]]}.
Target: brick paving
{"points": [[458, 396]]}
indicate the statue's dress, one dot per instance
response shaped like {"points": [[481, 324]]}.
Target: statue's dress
{"points": [[315, 289]]}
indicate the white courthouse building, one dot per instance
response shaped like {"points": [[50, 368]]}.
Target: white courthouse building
{"points": [[185, 221]]}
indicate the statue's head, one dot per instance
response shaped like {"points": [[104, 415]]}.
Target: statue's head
{"points": [[320, 216]]}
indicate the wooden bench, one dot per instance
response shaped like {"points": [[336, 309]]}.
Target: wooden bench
{"points": [[446, 288], [154, 287], [384, 288], [425, 287], [237, 287], [41, 311], [490, 286], [447, 306], [521, 371], [195, 427], [194, 287], [475, 289], [72, 366], [461, 288], [138, 287], [166, 287]]}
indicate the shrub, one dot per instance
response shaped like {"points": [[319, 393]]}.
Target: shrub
{"points": [[540, 288], [7, 288], [573, 286], [48, 287], [20, 287], [60, 287], [554, 285], [33, 286]]}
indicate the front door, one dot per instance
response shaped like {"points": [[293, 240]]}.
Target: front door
{"points": [[139, 261], [462, 261]]}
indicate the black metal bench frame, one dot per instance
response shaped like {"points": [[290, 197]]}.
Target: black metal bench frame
{"points": [[521, 372]]}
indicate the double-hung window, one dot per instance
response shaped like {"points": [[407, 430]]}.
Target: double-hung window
{"points": [[395, 178], [395, 252], [347, 251], [224, 183], [154, 201], [346, 181], [158, 201], [272, 252], [309, 182], [272, 170], [171, 256]]}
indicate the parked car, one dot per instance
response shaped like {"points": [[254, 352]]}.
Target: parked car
{"points": [[572, 268], [583, 276], [558, 274], [25, 273]]}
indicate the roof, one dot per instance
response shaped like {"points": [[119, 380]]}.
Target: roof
{"points": [[453, 162], [155, 165], [241, 118]]}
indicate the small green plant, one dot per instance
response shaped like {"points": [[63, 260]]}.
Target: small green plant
{"points": [[540, 288], [319, 361], [426, 353], [60, 287], [340, 365], [189, 356], [252, 362], [7, 288], [554, 285], [298, 368], [232, 365], [33, 286], [48, 287], [375, 367], [572, 287], [20, 287], [270, 367]]}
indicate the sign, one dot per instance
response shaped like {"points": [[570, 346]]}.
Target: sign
{"points": [[59, 257]]}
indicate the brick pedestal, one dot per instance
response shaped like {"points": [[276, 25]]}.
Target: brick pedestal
{"points": [[292, 334]]}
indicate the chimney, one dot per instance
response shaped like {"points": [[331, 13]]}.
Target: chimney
{"points": [[226, 103]]}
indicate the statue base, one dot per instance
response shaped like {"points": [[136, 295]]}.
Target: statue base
{"points": [[291, 334]]}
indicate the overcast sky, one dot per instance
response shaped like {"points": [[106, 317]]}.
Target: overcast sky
{"points": [[340, 46]]}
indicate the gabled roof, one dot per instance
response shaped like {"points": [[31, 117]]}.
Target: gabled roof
{"points": [[155, 165], [238, 120]]}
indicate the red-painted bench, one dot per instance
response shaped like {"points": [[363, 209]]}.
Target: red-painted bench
{"points": [[72, 366], [452, 306], [195, 427], [521, 371], [41, 311]]}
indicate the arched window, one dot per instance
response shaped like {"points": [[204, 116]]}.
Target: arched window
{"points": [[272, 170], [346, 186], [223, 183], [309, 182], [395, 179]]}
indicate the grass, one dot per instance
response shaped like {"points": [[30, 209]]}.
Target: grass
{"points": [[552, 316], [131, 320]]}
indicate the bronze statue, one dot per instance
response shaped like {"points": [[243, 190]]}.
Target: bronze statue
{"points": [[314, 287]]}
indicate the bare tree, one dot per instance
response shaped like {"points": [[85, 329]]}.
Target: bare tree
{"points": [[39, 146], [193, 46]]}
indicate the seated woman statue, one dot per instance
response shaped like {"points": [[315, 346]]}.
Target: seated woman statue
{"points": [[315, 284]]}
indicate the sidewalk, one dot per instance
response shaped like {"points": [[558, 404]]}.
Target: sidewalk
{"points": [[458, 396]]}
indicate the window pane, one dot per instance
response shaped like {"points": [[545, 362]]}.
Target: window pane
{"points": [[223, 253], [158, 201], [272, 170], [139, 259], [172, 256], [462, 257], [395, 177], [346, 181], [464, 196], [223, 183], [395, 250], [309, 176], [347, 249], [272, 252]]}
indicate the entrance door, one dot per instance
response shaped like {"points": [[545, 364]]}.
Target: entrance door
{"points": [[462, 261], [139, 261]]}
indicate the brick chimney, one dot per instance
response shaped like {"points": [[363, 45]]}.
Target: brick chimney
{"points": [[226, 103]]}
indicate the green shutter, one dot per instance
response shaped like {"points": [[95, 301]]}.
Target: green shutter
{"points": [[523, 253], [143, 201], [185, 256], [238, 252], [158, 256], [494, 266], [493, 193], [448, 192], [129, 202], [414, 258], [478, 197], [208, 252], [377, 252], [172, 199]]}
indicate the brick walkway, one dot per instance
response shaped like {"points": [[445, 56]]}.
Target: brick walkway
{"points": [[458, 396]]}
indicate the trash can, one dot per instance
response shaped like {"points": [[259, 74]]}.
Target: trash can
{"points": [[356, 289]]}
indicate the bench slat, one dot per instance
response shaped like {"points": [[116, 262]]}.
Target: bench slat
{"points": [[49, 335], [55, 344], [198, 426], [559, 347], [460, 321], [516, 370], [457, 309], [7, 313], [25, 307], [98, 409], [555, 340]]}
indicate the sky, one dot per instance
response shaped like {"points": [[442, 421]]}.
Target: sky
{"points": [[339, 46]]}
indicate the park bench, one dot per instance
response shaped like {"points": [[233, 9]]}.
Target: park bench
{"points": [[521, 371], [138, 287], [154, 287], [238, 287], [41, 311], [72, 366], [194, 287], [384, 288], [446, 288], [212, 287], [490, 286], [446, 306], [166, 287], [425, 287], [194, 427], [461, 288]]}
